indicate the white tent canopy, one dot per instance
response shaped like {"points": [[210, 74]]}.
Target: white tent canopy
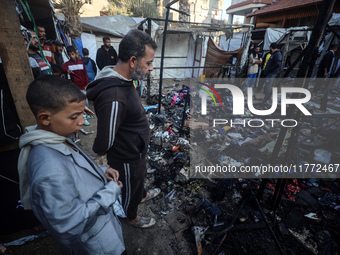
{"points": [[298, 34], [117, 25], [233, 43]]}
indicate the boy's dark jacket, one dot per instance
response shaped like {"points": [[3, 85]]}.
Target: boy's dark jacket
{"points": [[106, 58], [86, 60], [274, 63], [123, 128], [326, 62]]}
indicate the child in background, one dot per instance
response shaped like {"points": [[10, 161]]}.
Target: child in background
{"points": [[90, 65], [76, 69], [69, 193]]}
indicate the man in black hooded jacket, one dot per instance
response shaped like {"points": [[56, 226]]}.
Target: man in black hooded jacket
{"points": [[123, 131], [106, 54], [272, 69]]}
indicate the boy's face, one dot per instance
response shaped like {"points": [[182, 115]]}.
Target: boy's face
{"points": [[65, 122], [72, 55]]}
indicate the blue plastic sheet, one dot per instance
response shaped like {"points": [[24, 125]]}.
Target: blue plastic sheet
{"points": [[79, 44]]}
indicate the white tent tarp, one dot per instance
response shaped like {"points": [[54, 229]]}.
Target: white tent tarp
{"points": [[116, 25], [272, 35], [297, 34], [334, 20], [233, 43], [89, 42]]}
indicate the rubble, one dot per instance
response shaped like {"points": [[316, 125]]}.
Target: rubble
{"points": [[212, 204]]}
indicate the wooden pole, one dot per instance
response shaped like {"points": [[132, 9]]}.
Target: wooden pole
{"points": [[318, 30], [330, 82], [284, 21], [15, 61], [285, 54]]}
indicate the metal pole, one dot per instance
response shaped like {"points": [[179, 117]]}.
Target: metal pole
{"points": [[317, 32], [148, 77], [163, 50], [246, 49], [162, 61]]}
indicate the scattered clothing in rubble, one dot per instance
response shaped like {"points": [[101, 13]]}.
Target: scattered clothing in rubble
{"points": [[331, 200]]}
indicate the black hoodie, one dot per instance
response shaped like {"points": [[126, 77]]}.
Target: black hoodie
{"points": [[106, 58], [274, 63], [123, 128]]}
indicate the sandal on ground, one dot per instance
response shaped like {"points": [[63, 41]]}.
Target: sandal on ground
{"points": [[152, 194], [144, 222]]}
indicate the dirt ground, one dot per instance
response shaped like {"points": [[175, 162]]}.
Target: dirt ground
{"points": [[159, 239]]}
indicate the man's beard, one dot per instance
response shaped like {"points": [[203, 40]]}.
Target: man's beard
{"points": [[137, 74], [33, 47]]}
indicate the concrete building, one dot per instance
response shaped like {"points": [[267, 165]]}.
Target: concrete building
{"points": [[93, 8], [205, 11], [245, 8], [201, 11]]}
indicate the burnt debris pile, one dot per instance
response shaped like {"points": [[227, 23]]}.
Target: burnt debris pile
{"points": [[250, 215]]}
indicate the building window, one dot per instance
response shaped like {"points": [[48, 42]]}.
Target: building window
{"points": [[88, 1]]}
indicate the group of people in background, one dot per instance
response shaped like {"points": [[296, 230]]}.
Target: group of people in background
{"points": [[81, 70], [271, 66]]}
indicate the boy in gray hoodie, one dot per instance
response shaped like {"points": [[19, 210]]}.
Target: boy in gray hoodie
{"points": [[69, 193]]}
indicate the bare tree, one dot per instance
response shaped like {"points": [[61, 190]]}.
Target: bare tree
{"points": [[71, 11], [142, 8]]}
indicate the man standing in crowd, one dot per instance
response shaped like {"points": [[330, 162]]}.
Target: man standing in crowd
{"points": [[273, 67], [58, 54], [265, 61], [33, 51], [106, 55], [90, 65], [123, 128], [325, 68], [326, 63], [253, 68], [33, 63], [47, 46]]}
